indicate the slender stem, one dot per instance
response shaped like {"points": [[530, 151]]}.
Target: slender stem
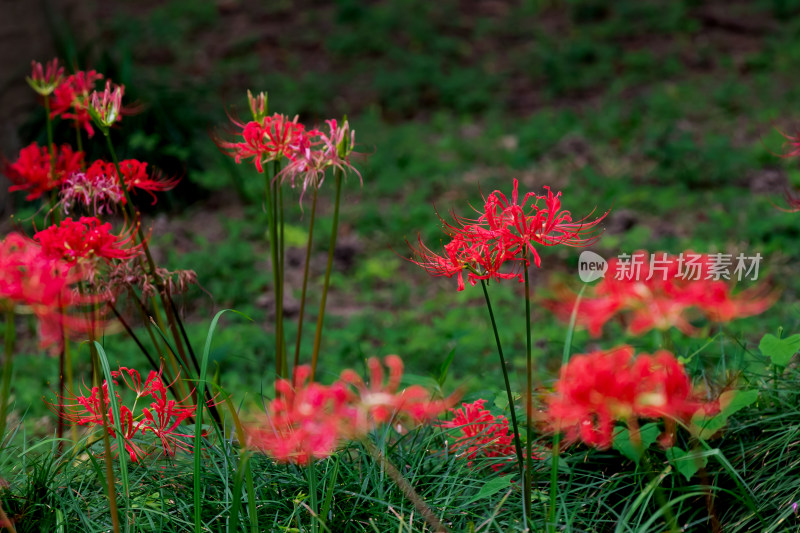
{"points": [[78, 137], [551, 513], [73, 428], [526, 490], [276, 275], [305, 279], [50, 145], [517, 445], [8, 368], [408, 491], [276, 168], [328, 268]]}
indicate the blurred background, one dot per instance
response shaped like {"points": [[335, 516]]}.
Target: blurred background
{"points": [[666, 112]]}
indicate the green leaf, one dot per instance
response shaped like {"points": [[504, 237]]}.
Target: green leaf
{"points": [[730, 402], [445, 366], [622, 441], [780, 351], [687, 463], [491, 487]]}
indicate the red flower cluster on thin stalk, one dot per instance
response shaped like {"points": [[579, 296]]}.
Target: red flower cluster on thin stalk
{"points": [[34, 281], [44, 80], [499, 244], [481, 434], [659, 292], [34, 172], [598, 389], [309, 420], [71, 98], [309, 153], [87, 240], [160, 417]]}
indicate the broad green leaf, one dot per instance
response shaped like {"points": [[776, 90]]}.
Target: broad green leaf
{"points": [[730, 402], [622, 441], [687, 463], [780, 351], [491, 487]]}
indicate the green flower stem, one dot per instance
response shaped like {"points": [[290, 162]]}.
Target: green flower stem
{"points": [[406, 488], [50, 145], [305, 279], [331, 247], [8, 368], [528, 479], [281, 268], [551, 514], [276, 274], [78, 138], [517, 445]]}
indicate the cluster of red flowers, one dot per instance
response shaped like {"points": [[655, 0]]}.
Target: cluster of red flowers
{"points": [[87, 239], [660, 295], [597, 389], [97, 187], [505, 232], [161, 418], [34, 281], [310, 420], [276, 137], [481, 434], [35, 173]]}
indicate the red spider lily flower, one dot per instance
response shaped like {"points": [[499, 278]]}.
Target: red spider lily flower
{"points": [[87, 239], [95, 191], [162, 418], [379, 403], [266, 140], [661, 291], [71, 98], [134, 176], [499, 243], [34, 282], [34, 172], [105, 107], [44, 80], [305, 421], [598, 389], [309, 420], [481, 434]]}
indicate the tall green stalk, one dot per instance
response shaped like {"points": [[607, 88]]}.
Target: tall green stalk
{"points": [[528, 478], [305, 279], [270, 203], [512, 411], [276, 168], [551, 513], [8, 368], [331, 247]]}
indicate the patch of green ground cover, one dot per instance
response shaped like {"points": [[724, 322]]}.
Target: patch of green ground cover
{"points": [[750, 468]]}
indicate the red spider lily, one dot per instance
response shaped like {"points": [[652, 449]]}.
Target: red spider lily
{"points": [[505, 233], [96, 191], [44, 80], [258, 105], [87, 239], [267, 139], [304, 421], [162, 418], [134, 176], [598, 389], [105, 107], [381, 403], [664, 291], [35, 282], [71, 98], [317, 152], [481, 433], [34, 172], [309, 421]]}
